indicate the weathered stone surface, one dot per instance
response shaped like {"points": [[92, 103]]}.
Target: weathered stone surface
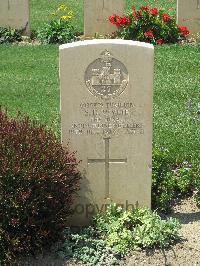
{"points": [[106, 112], [96, 13], [15, 14], [188, 14]]}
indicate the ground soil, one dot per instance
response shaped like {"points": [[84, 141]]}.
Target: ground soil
{"points": [[184, 253]]}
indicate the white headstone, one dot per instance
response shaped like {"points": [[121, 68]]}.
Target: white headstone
{"points": [[188, 14], [96, 13], [15, 14], [106, 112]]}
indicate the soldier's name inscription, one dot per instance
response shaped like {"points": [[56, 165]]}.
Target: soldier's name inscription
{"points": [[108, 118]]}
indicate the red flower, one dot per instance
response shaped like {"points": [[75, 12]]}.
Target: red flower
{"points": [[159, 41], [114, 19], [166, 17], [148, 33], [125, 20], [183, 30], [146, 8], [119, 21], [154, 11]]}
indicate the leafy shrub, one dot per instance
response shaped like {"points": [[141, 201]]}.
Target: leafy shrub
{"points": [[86, 246], [115, 233], [8, 35], [59, 29], [38, 179], [170, 180], [163, 182], [126, 230], [184, 179], [149, 25]]}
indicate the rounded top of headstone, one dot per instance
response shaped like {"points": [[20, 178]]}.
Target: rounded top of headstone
{"points": [[106, 41]]}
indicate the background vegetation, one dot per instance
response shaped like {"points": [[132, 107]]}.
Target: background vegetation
{"points": [[39, 10]]}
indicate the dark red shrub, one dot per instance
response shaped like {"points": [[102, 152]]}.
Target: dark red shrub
{"points": [[38, 181]]}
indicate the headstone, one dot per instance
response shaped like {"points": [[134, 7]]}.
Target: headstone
{"points": [[96, 13], [188, 14], [106, 113], [15, 14]]}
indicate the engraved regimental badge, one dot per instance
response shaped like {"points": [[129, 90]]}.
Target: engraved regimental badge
{"points": [[106, 77]]}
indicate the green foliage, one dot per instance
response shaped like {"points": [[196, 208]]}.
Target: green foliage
{"points": [[149, 25], [85, 246], [59, 29], [126, 230], [170, 180], [115, 233], [38, 179], [8, 35], [185, 177], [162, 180]]}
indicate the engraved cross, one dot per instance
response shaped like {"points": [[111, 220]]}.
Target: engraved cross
{"points": [[107, 162]]}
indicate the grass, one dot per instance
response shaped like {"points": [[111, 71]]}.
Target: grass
{"points": [[29, 84], [40, 10], [176, 99], [168, 5]]}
